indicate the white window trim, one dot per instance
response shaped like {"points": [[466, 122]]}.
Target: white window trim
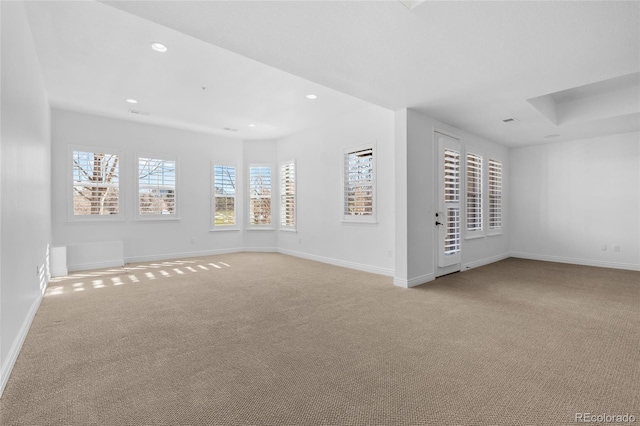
{"points": [[69, 172], [294, 227], [480, 233], [156, 217], [266, 227], [224, 228], [496, 231], [368, 219]]}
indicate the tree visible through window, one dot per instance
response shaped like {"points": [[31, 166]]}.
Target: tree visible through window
{"points": [[96, 186], [224, 196], [260, 195], [156, 186]]}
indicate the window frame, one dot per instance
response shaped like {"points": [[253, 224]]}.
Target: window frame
{"points": [[470, 234], [212, 224], [71, 216], [282, 194], [156, 217], [499, 230], [259, 227], [359, 219]]}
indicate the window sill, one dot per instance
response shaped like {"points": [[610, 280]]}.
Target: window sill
{"points": [[359, 222], [474, 236], [157, 219], [495, 234], [105, 218], [261, 229], [223, 229], [291, 230]]}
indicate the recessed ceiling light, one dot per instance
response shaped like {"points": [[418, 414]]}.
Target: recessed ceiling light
{"points": [[132, 101], [159, 47], [252, 125], [311, 96]]}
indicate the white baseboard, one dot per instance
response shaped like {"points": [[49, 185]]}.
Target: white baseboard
{"points": [[183, 255], [574, 261], [261, 249], [12, 356], [413, 282], [485, 261], [338, 262]]}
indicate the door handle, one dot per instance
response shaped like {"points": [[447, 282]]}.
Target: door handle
{"points": [[438, 223]]}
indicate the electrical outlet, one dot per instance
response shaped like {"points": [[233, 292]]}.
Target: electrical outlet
{"points": [[193, 241], [616, 249], [299, 240], [390, 253], [604, 247]]}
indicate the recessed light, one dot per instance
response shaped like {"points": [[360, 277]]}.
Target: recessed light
{"points": [[252, 125], [132, 101], [159, 47], [311, 96]]}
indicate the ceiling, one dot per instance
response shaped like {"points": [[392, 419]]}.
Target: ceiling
{"points": [[470, 64]]}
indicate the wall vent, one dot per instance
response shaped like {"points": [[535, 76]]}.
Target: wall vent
{"points": [[134, 111]]}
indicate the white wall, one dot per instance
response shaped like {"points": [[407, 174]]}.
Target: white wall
{"points": [[25, 176], [569, 199], [143, 239], [420, 178], [319, 160]]}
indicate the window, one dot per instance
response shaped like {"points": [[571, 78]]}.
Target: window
{"points": [[96, 184], [224, 196], [495, 194], [156, 187], [359, 184], [474, 192], [260, 195], [288, 195], [452, 203]]}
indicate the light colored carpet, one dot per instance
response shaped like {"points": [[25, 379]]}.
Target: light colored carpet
{"points": [[268, 339]]}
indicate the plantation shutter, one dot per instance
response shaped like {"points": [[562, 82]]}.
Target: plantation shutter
{"points": [[224, 183], [96, 185], [260, 195], [156, 186], [287, 194], [495, 194], [358, 183], [474, 192], [451, 199]]}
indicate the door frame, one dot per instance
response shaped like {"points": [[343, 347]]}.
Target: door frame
{"points": [[438, 197]]}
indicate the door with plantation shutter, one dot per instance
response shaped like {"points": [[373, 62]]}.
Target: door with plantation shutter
{"points": [[448, 217]]}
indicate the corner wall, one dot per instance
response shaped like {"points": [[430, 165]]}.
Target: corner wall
{"points": [[25, 158], [321, 235], [575, 201], [420, 183]]}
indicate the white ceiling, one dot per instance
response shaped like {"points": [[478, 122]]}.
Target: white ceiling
{"points": [[471, 64]]}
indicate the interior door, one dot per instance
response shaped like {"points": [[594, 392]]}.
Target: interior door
{"points": [[448, 215]]}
